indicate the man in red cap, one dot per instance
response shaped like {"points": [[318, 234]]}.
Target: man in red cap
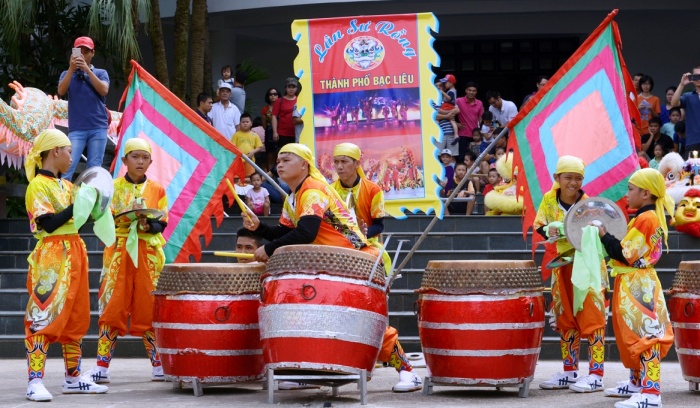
{"points": [[88, 119]]}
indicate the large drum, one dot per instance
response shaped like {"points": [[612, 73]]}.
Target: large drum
{"points": [[684, 308], [481, 322], [321, 312], [206, 323]]}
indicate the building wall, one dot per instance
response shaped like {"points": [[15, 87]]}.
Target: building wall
{"points": [[657, 36]]}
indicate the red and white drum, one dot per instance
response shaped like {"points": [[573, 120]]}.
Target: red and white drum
{"points": [[684, 309], [320, 310], [481, 322], [206, 322]]}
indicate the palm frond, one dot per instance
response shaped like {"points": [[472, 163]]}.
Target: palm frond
{"points": [[115, 18]]}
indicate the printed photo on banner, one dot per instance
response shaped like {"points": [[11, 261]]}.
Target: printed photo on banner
{"points": [[365, 74], [386, 117]]}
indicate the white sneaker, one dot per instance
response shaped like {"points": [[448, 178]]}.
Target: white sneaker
{"points": [[408, 381], [98, 375], [157, 374], [623, 389], [560, 381], [290, 385], [589, 383], [84, 385], [37, 392], [640, 401]]}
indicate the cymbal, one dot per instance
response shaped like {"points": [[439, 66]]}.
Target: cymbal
{"points": [[590, 210], [101, 180], [132, 215]]}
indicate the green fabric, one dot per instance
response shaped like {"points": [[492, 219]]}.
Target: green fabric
{"points": [[556, 224], [586, 269], [132, 241], [104, 225], [87, 203], [83, 204]]}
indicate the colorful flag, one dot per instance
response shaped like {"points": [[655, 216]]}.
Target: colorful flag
{"points": [[191, 160], [367, 80], [582, 111]]}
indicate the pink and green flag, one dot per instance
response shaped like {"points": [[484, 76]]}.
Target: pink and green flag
{"points": [[191, 160], [582, 111]]}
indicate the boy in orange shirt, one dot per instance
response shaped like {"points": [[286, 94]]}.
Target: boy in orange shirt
{"points": [[130, 274]]}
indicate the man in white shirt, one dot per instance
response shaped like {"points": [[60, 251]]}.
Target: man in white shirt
{"points": [[225, 114], [503, 111]]}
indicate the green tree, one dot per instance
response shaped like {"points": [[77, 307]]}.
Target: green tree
{"points": [[35, 41], [180, 51], [198, 43]]}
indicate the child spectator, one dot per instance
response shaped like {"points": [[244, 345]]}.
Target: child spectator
{"points": [[469, 159], [487, 126], [674, 116], [258, 198], [499, 151], [649, 105], [655, 136], [130, 274], [475, 145], [659, 152], [246, 141], [449, 97], [679, 138], [446, 113], [494, 179], [225, 78], [449, 165], [467, 190]]}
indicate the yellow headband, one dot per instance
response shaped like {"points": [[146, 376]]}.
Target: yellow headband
{"points": [[352, 151], [136, 144], [47, 140], [568, 164], [652, 180], [306, 155]]}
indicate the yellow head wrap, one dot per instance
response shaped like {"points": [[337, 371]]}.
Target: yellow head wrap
{"points": [[568, 164], [652, 180], [47, 140], [305, 153], [352, 151], [136, 144]]}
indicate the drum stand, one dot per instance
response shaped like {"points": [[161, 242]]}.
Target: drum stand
{"points": [[333, 381], [523, 388], [198, 386]]}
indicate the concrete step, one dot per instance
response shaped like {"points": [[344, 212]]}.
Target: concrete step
{"points": [[16, 299], [17, 278], [18, 259]]}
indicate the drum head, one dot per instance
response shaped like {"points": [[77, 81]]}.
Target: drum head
{"points": [[594, 209]]}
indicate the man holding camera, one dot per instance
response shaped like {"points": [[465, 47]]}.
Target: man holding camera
{"points": [[690, 102], [88, 118]]}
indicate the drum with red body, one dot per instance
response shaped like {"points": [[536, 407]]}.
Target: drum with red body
{"points": [[684, 309], [206, 322], [321, 311], [481, 322]]}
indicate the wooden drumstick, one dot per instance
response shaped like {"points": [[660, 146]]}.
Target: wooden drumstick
{"points": [[234, 255], [244, 208]]}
